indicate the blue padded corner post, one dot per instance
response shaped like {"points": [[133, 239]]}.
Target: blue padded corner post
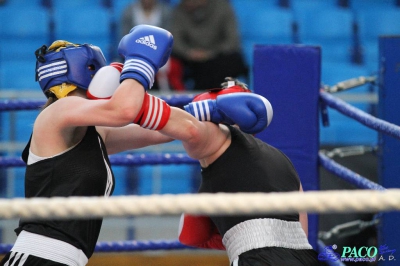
{"points": [[289, 77], [389, 147]]}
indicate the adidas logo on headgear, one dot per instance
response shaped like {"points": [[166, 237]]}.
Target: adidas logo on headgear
{"points": [[148, 40]]}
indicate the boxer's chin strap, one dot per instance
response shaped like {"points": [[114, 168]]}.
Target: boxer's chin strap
{"points": [[62, 90]]}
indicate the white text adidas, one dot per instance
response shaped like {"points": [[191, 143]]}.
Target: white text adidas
{"points": [[148, 40]]}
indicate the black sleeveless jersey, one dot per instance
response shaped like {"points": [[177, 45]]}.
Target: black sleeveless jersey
{"points": [[249, 165], [84, 170]]}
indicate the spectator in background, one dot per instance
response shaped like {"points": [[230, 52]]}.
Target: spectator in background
{"points": [[207, 41], [155, 13], [150, 12]]}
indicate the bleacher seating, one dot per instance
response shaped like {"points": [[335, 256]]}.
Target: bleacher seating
{"points": [[24, 29], [60, 4], [18, 74], [84, 25], [269, 25], [21, 35], [333, 31], [358, 5], [311, 6], [24, 3], [374, 22]]}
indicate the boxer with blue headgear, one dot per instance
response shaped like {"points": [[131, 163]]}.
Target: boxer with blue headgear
{"points": [[64, 66], [72, 137]]}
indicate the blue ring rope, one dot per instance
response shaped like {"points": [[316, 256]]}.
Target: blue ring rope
{"points": [[122, 160], [360, 116], [126, 246], [16, 105], [346, 174]]}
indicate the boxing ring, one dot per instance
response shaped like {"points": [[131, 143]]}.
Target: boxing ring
{"points": [[289, 76]]}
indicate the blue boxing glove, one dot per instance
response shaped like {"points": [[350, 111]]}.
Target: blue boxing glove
{"points": [[145, 49], [251, 112]]}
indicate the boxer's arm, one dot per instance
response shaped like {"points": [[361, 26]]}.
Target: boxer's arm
{"points": [[118, 139], [132, 136], [200, 139]]}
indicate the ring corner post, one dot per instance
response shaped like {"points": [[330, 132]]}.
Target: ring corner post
{"points": [[289, 77], [389, 147]]}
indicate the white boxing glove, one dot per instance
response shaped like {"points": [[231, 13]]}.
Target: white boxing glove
{"points": [[105, 82]]}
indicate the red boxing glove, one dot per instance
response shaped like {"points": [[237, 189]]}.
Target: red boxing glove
{"points": [[119, 66], [154, 113], [199, 231], [105, 82]]}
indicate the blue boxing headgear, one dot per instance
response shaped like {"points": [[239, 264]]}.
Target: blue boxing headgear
{"points": [[67, 63]]}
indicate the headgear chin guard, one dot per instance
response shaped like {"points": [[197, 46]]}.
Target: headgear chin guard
{"points": [[64, 66], [230, 86]]}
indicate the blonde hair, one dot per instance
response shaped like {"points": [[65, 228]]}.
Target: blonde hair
{"points": [[51, 98]]}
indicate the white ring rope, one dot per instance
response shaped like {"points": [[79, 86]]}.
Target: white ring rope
{"points": [[367, 201]]}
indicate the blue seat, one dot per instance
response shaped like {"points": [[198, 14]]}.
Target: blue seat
{"points": [[18, 74], [24, 3], [311, 6], [245, 11], [20, 37], [84, 25], [119, 6], [373, 23], [61, 4], [271, 25], [358, 5], [332, 29], [20, 49], [251, 12], [23, 23]]}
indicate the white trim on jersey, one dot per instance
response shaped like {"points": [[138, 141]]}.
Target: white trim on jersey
{"points": [[110, 182], [47, 248]]}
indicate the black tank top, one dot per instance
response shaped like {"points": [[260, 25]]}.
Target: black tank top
{"points": [[84, 170], [249, 165]]}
